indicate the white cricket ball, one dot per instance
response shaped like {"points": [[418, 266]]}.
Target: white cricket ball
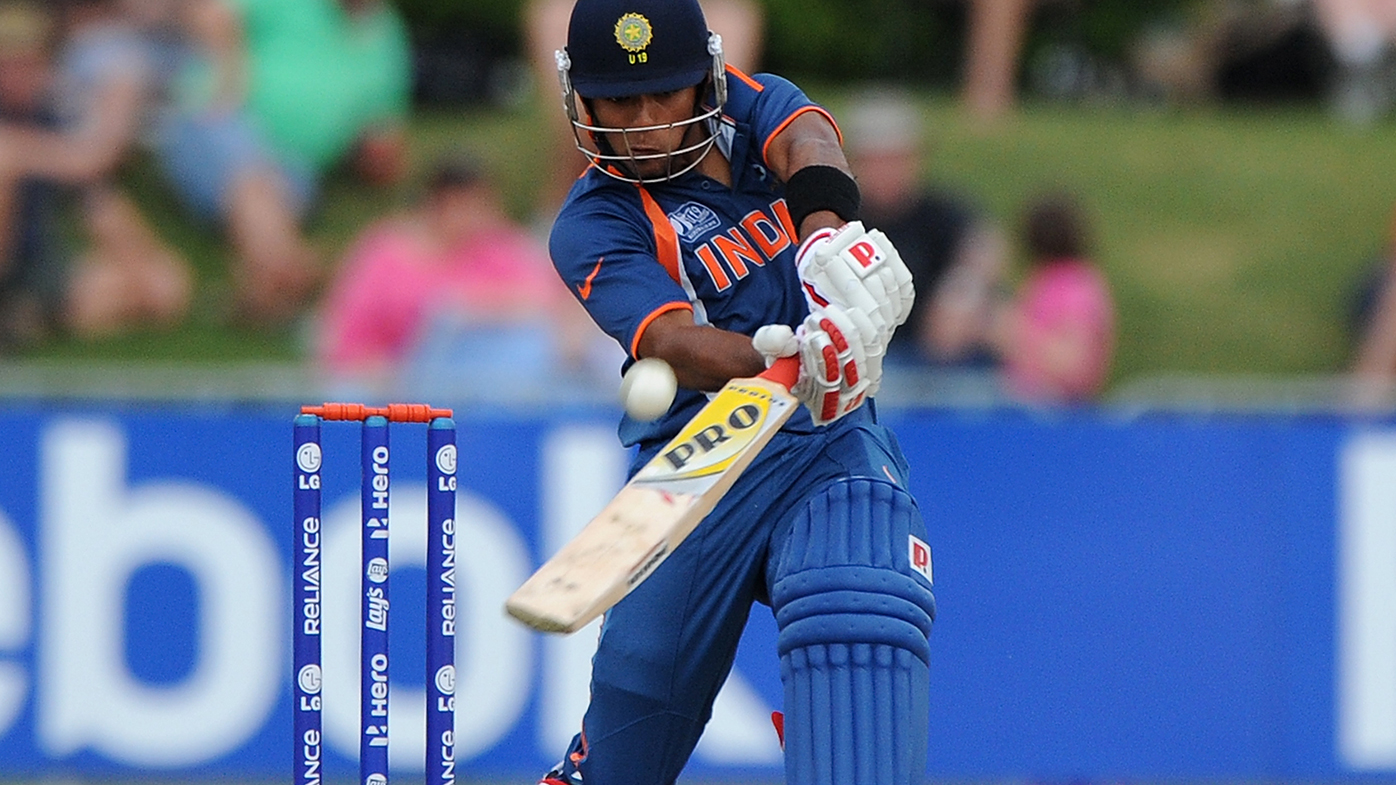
{"points": [[648, 389]]}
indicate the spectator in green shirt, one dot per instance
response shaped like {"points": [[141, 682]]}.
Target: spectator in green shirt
{"points": [[274, 94]]}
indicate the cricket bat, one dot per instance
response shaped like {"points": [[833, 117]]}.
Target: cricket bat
{"points": [[660, 506]]}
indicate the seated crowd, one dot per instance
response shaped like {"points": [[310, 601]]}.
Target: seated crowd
{"points": [[242, 108]]}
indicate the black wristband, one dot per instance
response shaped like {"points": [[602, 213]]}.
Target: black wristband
{"points": [[816, 188]]}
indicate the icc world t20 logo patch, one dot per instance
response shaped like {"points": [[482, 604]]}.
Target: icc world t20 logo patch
{"points": [[633, 33]]}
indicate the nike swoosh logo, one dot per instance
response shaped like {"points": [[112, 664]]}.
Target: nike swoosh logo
{"points": [[585, 289]]}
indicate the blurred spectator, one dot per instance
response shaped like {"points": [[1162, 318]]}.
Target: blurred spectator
{"points": [[27, 231], [451, 291], [1061, 333], [1361, 34], [997, 30], [274, 94], [1374, 323], [957, 259], [1235, 51], [127, 276], [25, 73], [740, 23]]}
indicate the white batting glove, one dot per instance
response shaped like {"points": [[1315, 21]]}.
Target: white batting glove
{"points": [[775, 341], [837, 372], [836, 375], [859, 270], [857, 327]]}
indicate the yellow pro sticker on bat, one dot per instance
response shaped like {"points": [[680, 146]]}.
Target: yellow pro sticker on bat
{"points": [[711, 441]]}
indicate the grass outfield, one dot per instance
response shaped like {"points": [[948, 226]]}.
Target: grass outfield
{"points": [[1233, 238]]}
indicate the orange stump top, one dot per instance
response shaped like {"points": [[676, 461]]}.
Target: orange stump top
{"points": [[395, 412]]}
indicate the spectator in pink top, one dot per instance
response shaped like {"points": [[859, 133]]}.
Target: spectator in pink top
{"points": [[1062, 326], [453, 271]]}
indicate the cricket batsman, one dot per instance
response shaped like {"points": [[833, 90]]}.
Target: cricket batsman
{"points": [[716, 228]]}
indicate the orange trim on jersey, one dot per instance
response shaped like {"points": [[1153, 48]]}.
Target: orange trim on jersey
{"points": [[644, 325], [766, 147], [732, 70], [666, 240]]}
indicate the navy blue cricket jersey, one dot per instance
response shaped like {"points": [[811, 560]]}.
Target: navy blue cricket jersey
{"points": [[632, 252]]}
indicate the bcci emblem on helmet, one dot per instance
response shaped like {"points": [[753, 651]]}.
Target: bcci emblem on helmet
{"points": [[633, 33]]}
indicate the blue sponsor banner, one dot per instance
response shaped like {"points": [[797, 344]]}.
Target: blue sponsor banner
{"points": [[1160, 597]]}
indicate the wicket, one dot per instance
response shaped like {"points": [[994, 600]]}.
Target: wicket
{"points": [[373, 628]]}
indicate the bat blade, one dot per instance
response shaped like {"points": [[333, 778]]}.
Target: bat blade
{"points": [[660, 506]]}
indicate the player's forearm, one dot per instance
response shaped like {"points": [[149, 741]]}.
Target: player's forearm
{"points": [[809, 141], [703, 357]]}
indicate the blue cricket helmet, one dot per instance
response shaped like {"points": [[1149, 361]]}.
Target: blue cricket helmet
{"points": [[619, 48], [631, 47]]}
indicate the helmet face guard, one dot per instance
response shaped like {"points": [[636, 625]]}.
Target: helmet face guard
{"points": [[624, 165]]}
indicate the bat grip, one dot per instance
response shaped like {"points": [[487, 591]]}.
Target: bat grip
{"points": [[784, 371]]}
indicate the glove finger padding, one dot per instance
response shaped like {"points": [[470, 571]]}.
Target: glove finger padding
{"points": [[894, 279], [874, 340], [858, 269], [820, 378], [870, 367], [872, 374], [831, 277], [833, 365], [906, 289]]}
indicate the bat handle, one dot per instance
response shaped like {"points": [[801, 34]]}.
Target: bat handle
{"points": [[784, 371]]}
